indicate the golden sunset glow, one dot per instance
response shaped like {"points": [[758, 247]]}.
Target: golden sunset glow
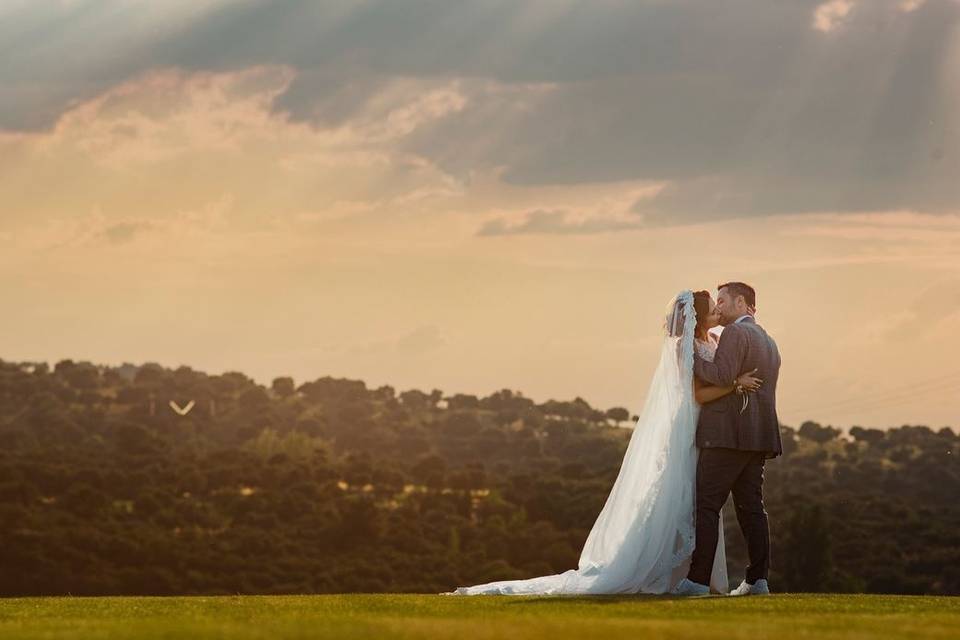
{"points": [[469, 220]]}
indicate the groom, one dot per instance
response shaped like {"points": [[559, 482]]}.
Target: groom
{"points": [[735, 435]]}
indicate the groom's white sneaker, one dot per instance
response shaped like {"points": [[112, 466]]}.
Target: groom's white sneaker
{"points": [[690, 588], [758, 588]]}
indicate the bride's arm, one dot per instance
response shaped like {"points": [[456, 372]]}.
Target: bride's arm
{"points": [[703, 392]]}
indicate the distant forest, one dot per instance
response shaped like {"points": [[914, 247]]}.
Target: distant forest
{"points": [[147, 480]]}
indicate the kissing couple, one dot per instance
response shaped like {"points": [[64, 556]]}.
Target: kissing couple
{"points": [[708, 424]]}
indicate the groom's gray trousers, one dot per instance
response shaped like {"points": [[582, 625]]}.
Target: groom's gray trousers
{"points": [[720, 471]]}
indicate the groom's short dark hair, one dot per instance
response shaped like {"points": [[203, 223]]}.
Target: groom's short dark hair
{"points": [[741, 289]]}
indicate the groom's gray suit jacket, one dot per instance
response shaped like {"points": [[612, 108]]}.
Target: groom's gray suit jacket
{"points": [[744, 346]]}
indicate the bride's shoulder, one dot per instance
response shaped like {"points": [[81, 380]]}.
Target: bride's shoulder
{"points": [[705, 346], [712, 340]]}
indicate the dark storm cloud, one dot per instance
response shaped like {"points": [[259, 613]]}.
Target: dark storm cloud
{"points": [[742, 105]]}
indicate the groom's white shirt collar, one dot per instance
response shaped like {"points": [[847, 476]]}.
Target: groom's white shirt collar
{"points": [[746, 315]]}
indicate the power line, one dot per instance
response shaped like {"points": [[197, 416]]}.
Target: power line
{"points": [[891, 402], [940, 383], [903, 398]]}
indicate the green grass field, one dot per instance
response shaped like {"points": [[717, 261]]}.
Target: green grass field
{"points": [[482, 617]]}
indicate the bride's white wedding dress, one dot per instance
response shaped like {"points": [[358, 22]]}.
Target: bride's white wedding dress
{"points": [[644, 536]]}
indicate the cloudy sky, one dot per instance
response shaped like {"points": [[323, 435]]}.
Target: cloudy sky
{"points": [[486, 194]]}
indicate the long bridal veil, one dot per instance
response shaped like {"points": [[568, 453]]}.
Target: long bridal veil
{"points": [[643, 538]]}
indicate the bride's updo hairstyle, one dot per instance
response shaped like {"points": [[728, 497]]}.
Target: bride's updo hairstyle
{"points": [[701, 304]]}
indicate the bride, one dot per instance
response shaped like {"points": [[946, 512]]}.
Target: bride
{"points": [[644, 536]]}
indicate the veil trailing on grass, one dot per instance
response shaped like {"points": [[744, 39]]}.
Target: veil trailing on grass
{"points": [[643, 538]]}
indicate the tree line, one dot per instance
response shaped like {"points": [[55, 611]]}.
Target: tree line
{"points": [[149, 480]]}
